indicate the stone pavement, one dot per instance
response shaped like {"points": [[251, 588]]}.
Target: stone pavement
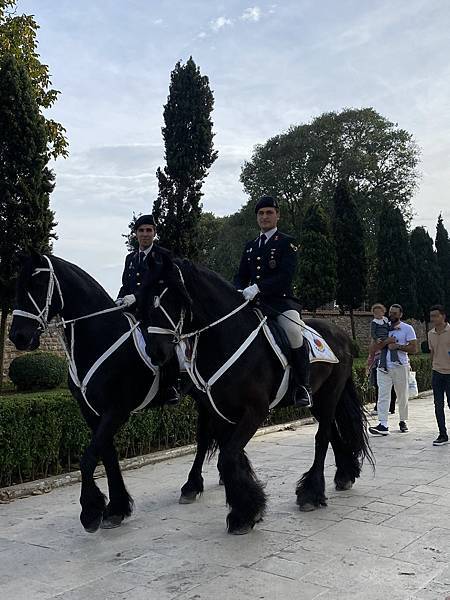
{"points": [[387, 538]]}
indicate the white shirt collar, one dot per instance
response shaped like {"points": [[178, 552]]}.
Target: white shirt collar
{"points": [[146, 251], [269, 233]]}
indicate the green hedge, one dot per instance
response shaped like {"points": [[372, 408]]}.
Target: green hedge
{"points": [[38, 371], [43, 433]]}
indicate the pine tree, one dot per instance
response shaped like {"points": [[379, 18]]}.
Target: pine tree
{"points": [[317, 260], [428, 275], [443, 257], [394, 262], [26, 221], [350, 252], [189, 153]]}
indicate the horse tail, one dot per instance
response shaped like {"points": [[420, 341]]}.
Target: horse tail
{"points": [[351, 423]]}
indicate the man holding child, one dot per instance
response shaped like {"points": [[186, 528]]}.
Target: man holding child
{"points": [[401, 341]]}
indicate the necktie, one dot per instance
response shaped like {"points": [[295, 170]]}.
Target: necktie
{"points": [[141, 258], [262, 240]]}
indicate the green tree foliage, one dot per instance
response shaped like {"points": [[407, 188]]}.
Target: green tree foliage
{"points": [[18, 36], [443, 256], [26, 221], [317, 260], [189, 153], [428, 275], [350, 252], [303, 166], [395, 276]]}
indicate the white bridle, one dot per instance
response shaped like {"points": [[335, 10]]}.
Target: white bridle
{"points": [[42, 314]]}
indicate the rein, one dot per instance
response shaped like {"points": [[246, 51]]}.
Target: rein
{"points": [[42, 318]]}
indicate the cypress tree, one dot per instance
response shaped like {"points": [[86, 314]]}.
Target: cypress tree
{"points": [[396, 282], [350, 252], [317, 260], [26, 221], [189, 153], [428, 276], [443, 257]]}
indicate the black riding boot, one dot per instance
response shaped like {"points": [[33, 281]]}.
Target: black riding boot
{"points": [[301, 368]]}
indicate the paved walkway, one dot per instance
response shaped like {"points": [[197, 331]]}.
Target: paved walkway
{"points": [[388, 538]]}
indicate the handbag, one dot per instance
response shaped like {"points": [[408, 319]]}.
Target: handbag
{"points": [[413, 390]]}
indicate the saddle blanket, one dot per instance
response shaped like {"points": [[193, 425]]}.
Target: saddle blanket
{"points": [[319, 350]]}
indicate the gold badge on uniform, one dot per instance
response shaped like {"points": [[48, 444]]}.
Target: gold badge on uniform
{"points": [[272, 264]]}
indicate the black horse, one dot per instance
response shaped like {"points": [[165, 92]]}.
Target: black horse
{"points": [[50, 287], [192, 297]]}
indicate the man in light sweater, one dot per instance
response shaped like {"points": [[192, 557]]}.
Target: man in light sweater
{"points": [[439, 343]]}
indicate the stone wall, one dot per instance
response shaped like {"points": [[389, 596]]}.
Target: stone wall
{"points": [[50, 343]]}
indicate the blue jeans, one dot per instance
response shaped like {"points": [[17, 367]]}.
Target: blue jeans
{"points": [[441, 385]]}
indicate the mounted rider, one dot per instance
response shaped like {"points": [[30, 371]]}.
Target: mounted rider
{"points": [[265, 275], [136, 271]]}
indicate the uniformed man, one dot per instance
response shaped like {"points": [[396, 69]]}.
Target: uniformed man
{"points": [[135, 274], [265, 275]]}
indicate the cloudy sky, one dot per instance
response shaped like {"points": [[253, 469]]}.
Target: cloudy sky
{"points": [[270, 65]]}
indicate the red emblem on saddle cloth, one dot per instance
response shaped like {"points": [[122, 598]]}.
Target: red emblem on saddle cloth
{"points": [[319, 345]]}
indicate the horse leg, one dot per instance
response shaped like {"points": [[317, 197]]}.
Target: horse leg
{"points": [[347, 464], [244, 492], [120, 502], [349, 438], [93, 502], [194, 484], [310, 489]]}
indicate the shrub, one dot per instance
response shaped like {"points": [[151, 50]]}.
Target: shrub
{"points": [[424, 347], [356, 351], [38, 371]]}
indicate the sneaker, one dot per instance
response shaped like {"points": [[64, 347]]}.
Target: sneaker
{"points": [[379, 430], [441, 440], [403, 427]]}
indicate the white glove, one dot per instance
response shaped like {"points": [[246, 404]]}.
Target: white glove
{"points": [[250, 292], [129, 300]]}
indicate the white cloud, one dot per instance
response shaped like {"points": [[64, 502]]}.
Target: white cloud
{"points": [[202, 34], [220, 22], [157, 21], [251, 14]]}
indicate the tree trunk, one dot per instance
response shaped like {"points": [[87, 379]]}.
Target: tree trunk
{"points": [[2, 341], [352, 323]]}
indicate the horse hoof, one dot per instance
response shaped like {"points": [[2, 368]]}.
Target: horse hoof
{"points": [[111, 522], [187, 499], [342, 487], [241, 530], [93, 526], [307, 507]]}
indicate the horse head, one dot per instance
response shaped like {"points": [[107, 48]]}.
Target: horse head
{"points": [[164, 306], [38, 300]]}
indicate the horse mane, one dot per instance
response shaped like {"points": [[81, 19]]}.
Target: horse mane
{"points": [[83, 275], [195, 274]]}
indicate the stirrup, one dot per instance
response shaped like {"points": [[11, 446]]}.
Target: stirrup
{"points": [[305, 400]]}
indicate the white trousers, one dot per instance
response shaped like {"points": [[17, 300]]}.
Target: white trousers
{"points": [[399, 378], [291, 326]]}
